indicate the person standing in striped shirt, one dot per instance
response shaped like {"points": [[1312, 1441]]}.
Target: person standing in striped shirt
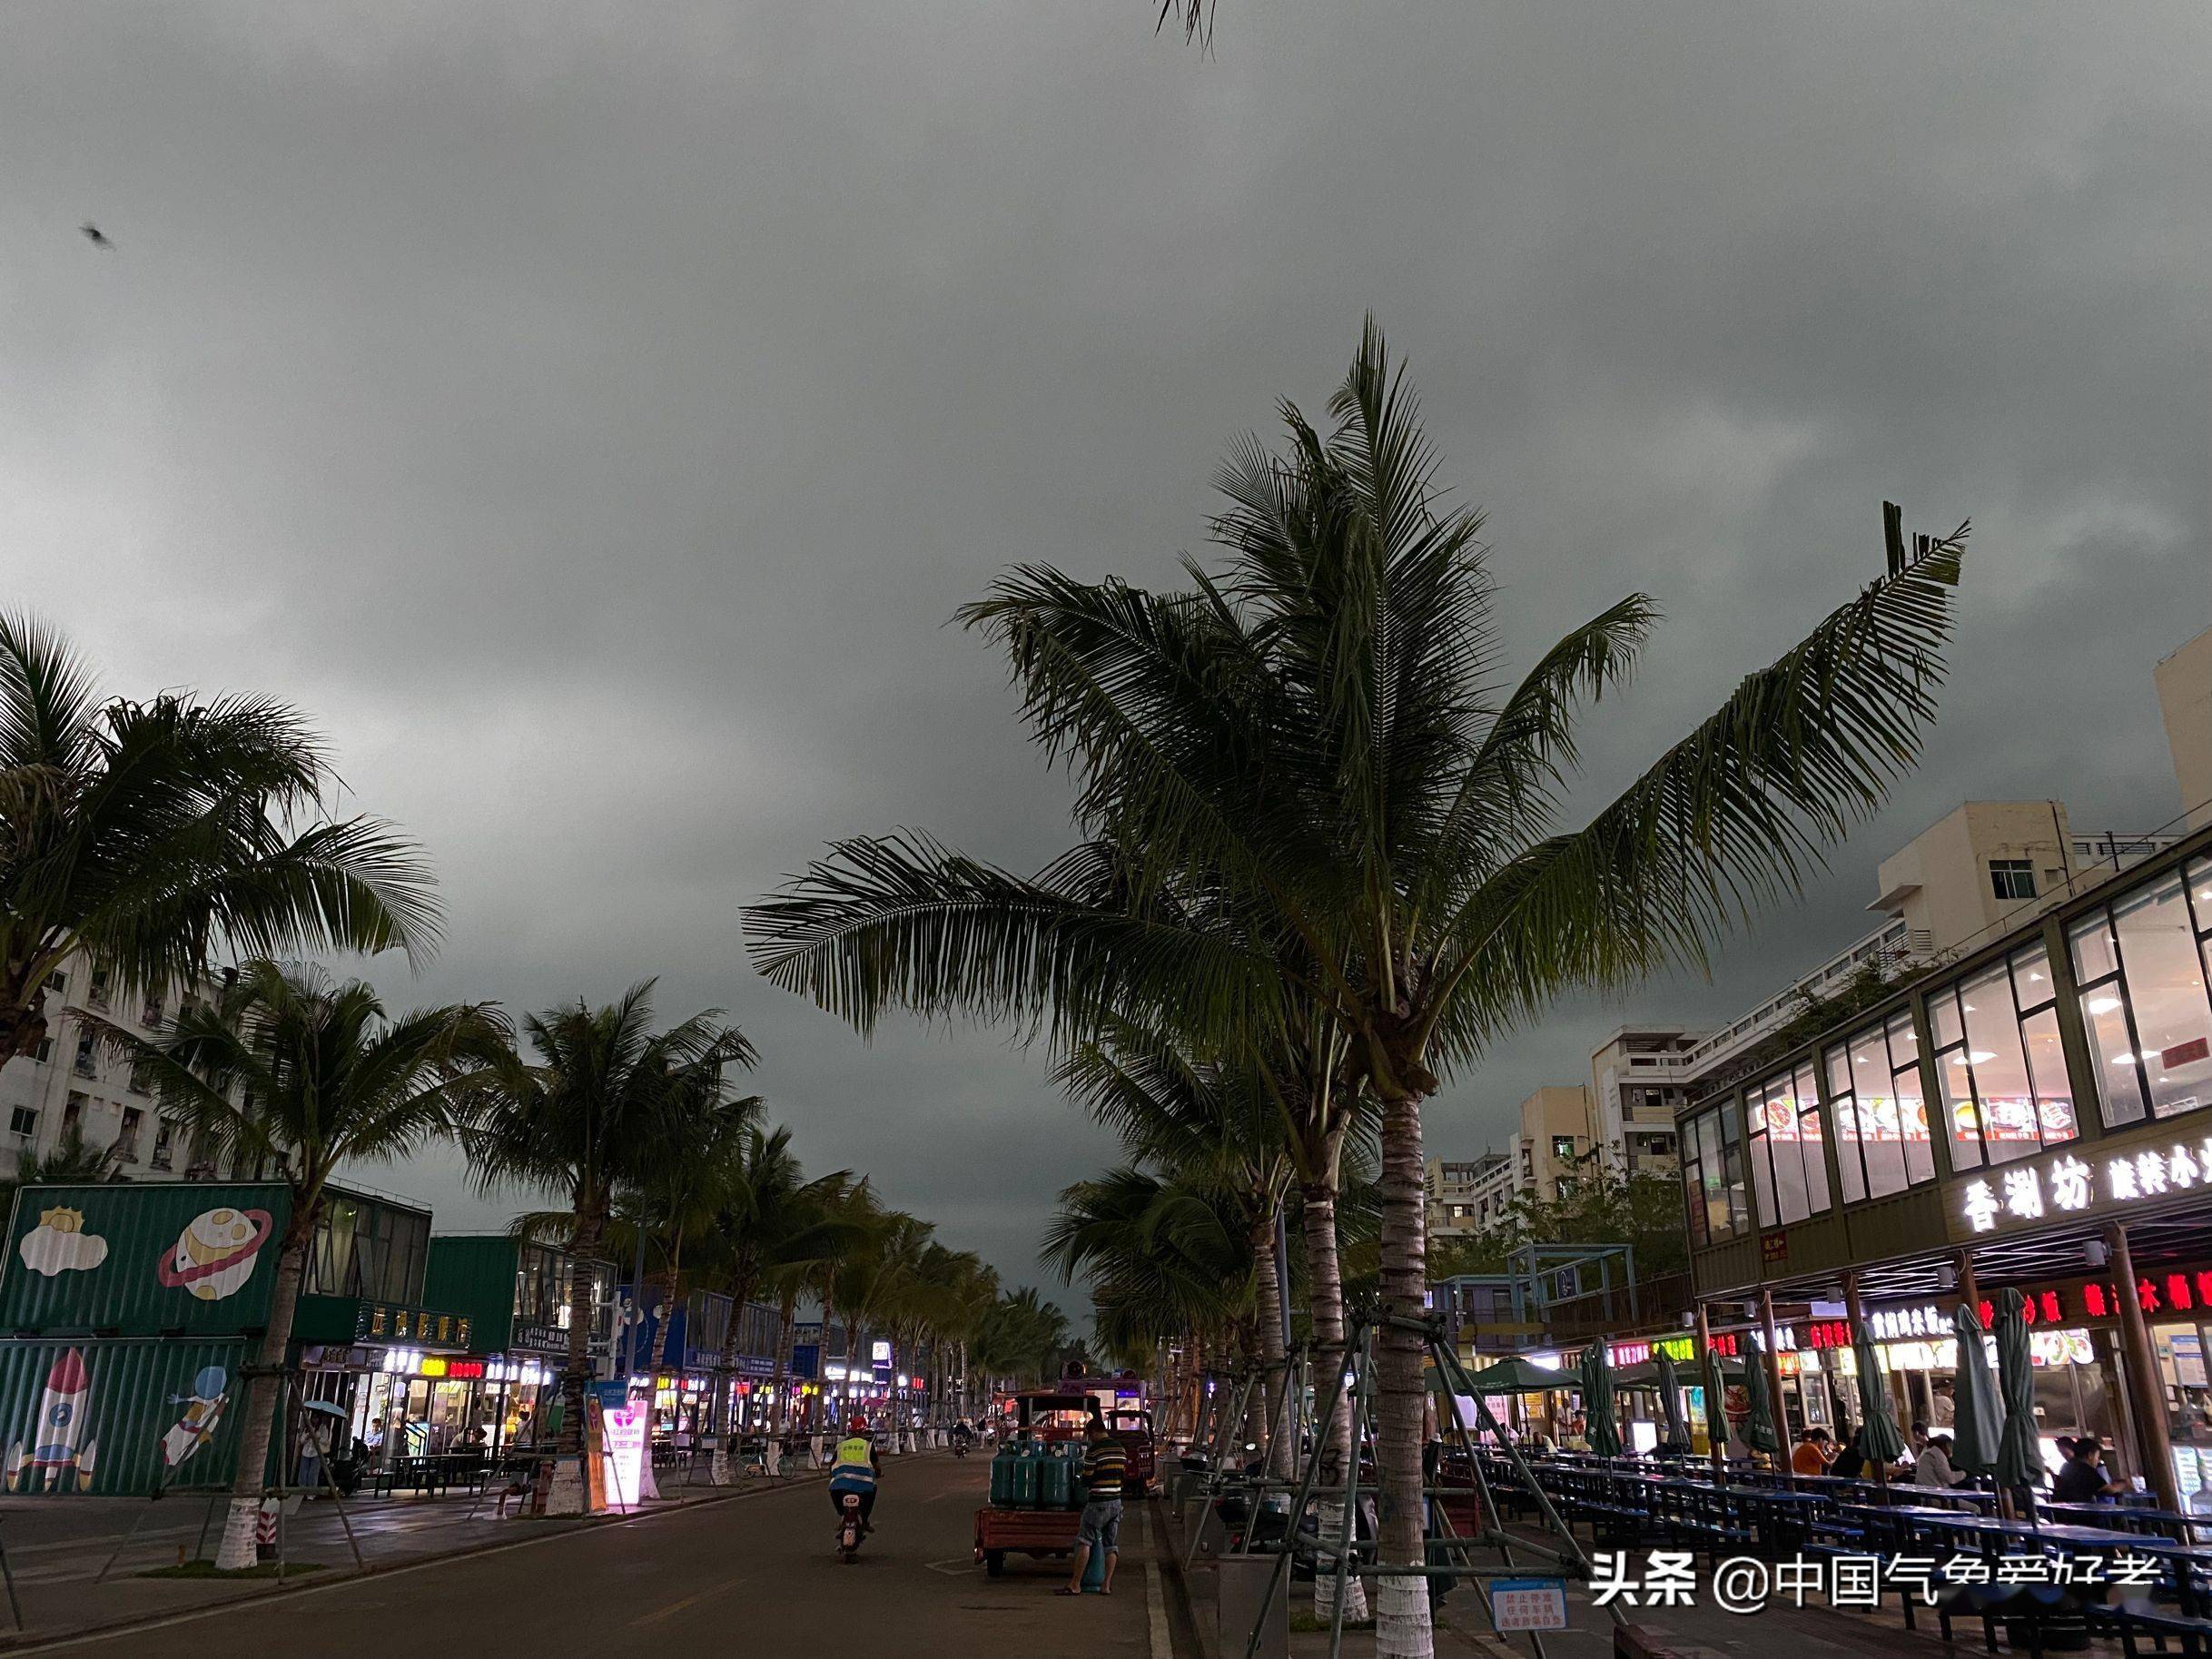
{"points": [[1105, 1462]]}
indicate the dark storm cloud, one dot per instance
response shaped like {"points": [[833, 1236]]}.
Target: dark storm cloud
{"points": [[594, 413]]}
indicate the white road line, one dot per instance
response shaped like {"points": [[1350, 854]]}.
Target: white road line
{"points": [[1155, 1603]]}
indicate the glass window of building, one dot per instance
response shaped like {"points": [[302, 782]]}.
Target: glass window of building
{"points": [[1731, 1170], [2012, 878], [1996, 1107], [2140, 963], [1879, 1111], [1713, 1176], [1912, 1101], [1694, 1182], [1788, 1162]]}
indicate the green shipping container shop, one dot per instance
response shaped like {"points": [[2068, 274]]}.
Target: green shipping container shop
{"points": [[128, 1310]]}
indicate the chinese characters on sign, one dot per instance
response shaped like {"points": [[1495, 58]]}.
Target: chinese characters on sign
{"points": [[1528, 1604], [2068, 1185]]}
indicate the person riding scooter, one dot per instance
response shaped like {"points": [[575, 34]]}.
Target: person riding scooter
{"points": [[854, 1469]]}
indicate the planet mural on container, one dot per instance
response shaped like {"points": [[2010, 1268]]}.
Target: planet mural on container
{"points": [[56, 1461], [215, 1254], [202, 1411], [59, 1244]]}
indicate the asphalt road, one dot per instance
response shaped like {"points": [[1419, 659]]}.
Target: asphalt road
{"points": [[757, 1574]]}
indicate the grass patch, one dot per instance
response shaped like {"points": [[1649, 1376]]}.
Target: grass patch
{"points": [[207, 1569], [1304, 1624]]}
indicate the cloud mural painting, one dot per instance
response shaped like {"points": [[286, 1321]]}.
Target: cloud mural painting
{"points": [[59, 1244], [215, 1254]]}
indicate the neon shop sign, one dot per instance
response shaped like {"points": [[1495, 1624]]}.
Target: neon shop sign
{"points": [[2069, 1184]]}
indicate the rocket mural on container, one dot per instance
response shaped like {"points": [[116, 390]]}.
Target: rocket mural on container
{"points": [[56, 1461]]}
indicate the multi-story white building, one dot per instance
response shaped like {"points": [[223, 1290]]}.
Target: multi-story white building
{"points": [[1464, 1197], [73, 1083]]}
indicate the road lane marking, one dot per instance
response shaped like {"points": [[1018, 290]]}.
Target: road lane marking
{"points": [[1155, 1604], [689, 1600]]}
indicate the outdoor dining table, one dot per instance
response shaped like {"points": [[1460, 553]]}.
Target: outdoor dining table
{"points": [[1956, 1494], [2161, 1523]]}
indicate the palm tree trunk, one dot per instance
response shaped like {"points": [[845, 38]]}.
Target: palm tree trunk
{"points": [[1401, 1604], [855, 1345], [568, 1492], [1268, 1287], [787, 1334], [726, 1368], [1325, 1291], [829, 1391], [236, 1553]]}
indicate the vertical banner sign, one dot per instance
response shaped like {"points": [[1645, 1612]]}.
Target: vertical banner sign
{"points": [[595, 1456], [625, 1442]]}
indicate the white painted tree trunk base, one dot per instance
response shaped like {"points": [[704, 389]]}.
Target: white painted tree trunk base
{"points": [[1330, 1517], [719, 1472], [238, 1550], [1401, 1619], [564, 1492]]}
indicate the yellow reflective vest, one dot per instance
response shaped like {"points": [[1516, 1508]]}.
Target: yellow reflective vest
{"points": [[853, 1466]]}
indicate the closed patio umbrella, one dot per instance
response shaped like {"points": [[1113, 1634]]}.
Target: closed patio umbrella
{"points": [[1716, 1403], [1974, 1435], [1759, 1421], [1605, 1429], [1517, 1376], [1878, 1436], [2019, 1463], [1670, 1402]]}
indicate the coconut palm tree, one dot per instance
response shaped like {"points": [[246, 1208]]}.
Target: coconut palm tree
{"points": [[1271, 1128], [299, 1073], [604, 1102], [1320, 731], [1211, 1128], [70, 1163], [872, 1279], [685, 1198], [146, 834], [1161, 1259], [773, 1220], [844, 1209], [1020, 1339]]}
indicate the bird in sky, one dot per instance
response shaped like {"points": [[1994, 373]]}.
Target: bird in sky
{"points": [[95, 235]]}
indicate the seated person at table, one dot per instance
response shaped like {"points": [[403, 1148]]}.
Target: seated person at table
{"points": [[1932, 1468], [1813, 1453], [2083, 1479], [1851, 1462]]}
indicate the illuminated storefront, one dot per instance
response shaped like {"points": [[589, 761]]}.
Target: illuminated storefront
{"points": [[2030, 1117]]}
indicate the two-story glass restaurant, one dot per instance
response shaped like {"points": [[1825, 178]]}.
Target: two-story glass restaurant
{"points": [[2032, 1115]]}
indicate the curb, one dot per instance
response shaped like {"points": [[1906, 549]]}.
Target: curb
{"points": [[32, 1640]]}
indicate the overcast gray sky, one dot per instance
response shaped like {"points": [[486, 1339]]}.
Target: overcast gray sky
{"points": [[592, 413]]}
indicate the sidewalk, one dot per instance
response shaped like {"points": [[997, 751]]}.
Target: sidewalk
{"points": [[1463, 1631], [58, 1547]]}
